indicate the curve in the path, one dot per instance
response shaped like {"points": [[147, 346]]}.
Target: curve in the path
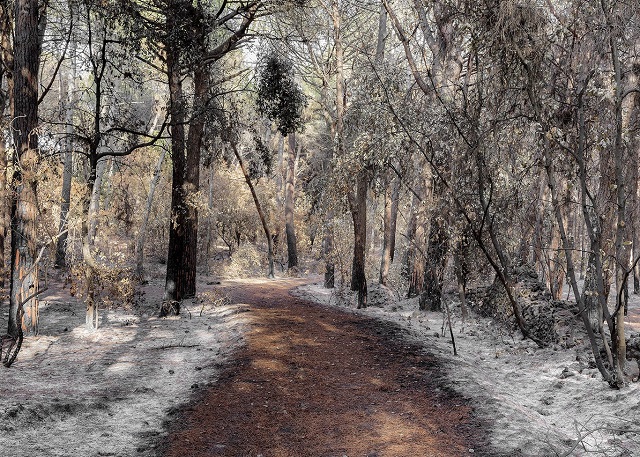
{"points": [[315, 381]]}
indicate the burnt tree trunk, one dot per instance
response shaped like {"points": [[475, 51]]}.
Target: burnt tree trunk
{"points": [[192, 182], [289, 205], [175, 276], [6, 71], [24, 271], [90, 266], [435, 263], [359, 215]]}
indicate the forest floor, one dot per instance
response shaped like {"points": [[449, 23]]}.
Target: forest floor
{"points": [[271, 374], [316, 381], [539, 401], [262, 373]]}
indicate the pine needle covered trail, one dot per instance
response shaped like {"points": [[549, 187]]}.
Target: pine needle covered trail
{"points": [[313, 381]]}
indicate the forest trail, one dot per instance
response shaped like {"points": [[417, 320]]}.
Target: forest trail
{"points": [[315, 381]]}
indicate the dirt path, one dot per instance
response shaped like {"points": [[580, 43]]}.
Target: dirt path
{"points": [[313, 381]]}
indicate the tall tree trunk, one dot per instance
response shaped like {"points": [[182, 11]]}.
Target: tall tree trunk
{"points": [[557, 264], [142, 234], [634, 151], [590, 293], [327, 253], [436, 261], [178, 215], [539, 232], [90, 264], [67, 172], [461, 269], [358, 204], [328, 234], [24, 271], [281, 170], [210, 238], [393, 223], [391, 198], [410, 235], [622, 232], [6, 71], [337, 128], [420, 226], [289, 205], [4, 208], [635, 215], [194, 149]]}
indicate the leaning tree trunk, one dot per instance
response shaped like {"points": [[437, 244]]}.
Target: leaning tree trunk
{"points": [[261, 215], [142, 234], [289, 205], [24, 271]]}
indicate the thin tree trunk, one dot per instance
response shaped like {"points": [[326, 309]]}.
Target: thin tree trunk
{"points": [[393, 223], [557, 265], [142, 234], [327, 253], [210, 216], [90, 264], [419, 240], [572, 274], [67, 173], [261, 215], [622, 250], [634, 150], [96, 193], [4, 208], [385, 260], [289, 205], [281, 172], [410, 235], [461, 270], [337, 128], [391, 198]]}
